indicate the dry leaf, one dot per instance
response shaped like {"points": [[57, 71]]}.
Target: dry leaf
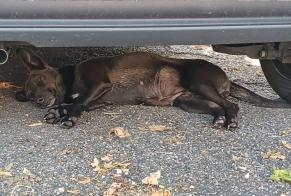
{"points": [[259, 73], [235, 158], [152, 179], [273, 154], [286, 145], [201, 47], [104, 167], [113, 165], [107, 158], [204, 152], [27, 172], [5, 173], [7, 85], [95, 165], [170, 140], [161, 193], [119, 132], [285, 133], [65, 152], [74, 192], [35, 124], [159, 128], [86, 180], [156, 128], [111, 191], [9, 167]]}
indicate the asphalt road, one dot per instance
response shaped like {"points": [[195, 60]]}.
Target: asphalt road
{"points": [[194, 158]]}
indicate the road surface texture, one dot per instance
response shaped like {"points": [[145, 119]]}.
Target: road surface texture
{"points": [[192, 157]]}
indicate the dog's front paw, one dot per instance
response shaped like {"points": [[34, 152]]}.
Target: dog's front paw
{"points": [[68, 122], [232, 123], [61, 114], [55, 115], [219, 121]]}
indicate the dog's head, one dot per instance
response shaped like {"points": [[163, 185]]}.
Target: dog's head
{"points": [[44, 85]]}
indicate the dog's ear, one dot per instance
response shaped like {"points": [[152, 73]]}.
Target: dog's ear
{"points": [[21, 96], [31, 60]]}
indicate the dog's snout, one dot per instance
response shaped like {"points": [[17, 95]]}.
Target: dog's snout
{"points": [[39, 100]]}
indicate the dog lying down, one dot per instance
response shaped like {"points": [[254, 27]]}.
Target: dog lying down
{"points": [[134, 78]]}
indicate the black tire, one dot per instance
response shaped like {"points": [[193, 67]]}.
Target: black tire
{"points": [[279, 77]]}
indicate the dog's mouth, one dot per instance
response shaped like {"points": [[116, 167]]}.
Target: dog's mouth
{"points": [[51, 103], [46, 104]]}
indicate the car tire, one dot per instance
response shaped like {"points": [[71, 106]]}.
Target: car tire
{"points": [[279, 77]]}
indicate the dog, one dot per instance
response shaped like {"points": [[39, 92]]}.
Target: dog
{"points": [[135, 78]]}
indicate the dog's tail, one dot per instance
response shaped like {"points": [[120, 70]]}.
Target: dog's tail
{"points": [[248, 96]]}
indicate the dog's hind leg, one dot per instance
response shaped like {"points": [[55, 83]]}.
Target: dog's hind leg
{"points": [[197, 104], [231, 109]]}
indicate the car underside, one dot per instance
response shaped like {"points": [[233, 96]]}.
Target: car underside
{"points": [[258, 29]]}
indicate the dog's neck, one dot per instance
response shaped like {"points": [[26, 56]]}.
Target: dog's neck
{"points": [[68, 77]]}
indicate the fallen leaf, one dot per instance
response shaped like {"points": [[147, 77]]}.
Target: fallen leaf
{"points": [[259, 73], [85, 181], [201, 47], [152, 179], [170, 140], [35, 124], [119, 132], [27, 172], [5, 173], [159, 128], [65, 152], [107, 158], [285, 133], [95, 165], [235, 158], [111, 191], [162, 192], [113, 165], [286, 145], [281, 175], [204, 152], [156, 128], [30, 176], [273, 154], [105, 167], [9, 167], [7, 85], [74, 192]]}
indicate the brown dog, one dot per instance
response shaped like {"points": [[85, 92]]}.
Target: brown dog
{"points": [[135, 78]]}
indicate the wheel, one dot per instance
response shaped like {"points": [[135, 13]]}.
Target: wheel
{"points": [[279, 77]]}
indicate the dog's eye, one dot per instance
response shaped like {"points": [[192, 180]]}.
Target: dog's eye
{"points": [[51, 91], [28, 92]]}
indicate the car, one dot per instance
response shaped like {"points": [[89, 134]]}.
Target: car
{"points": [[256, 28]]}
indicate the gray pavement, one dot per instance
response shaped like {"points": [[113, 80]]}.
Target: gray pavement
{"points": [[194, 158]]}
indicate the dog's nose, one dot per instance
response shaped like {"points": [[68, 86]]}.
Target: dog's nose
{"points": [[40, 100]]}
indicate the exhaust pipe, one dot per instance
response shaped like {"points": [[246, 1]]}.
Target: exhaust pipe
{"points": [[4, 55]]}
